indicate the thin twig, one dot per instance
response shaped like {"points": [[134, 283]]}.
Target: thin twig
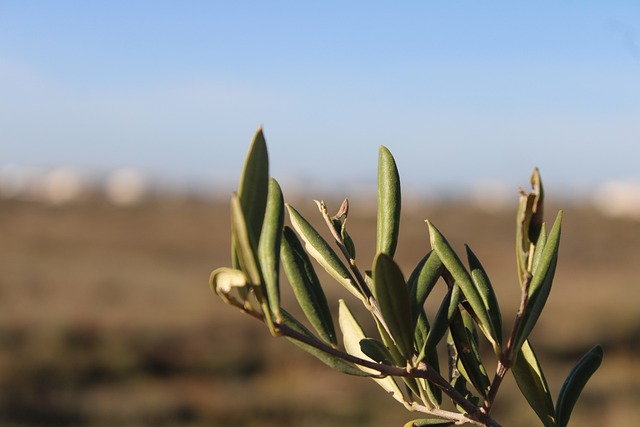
{"points": [[473, 414], [369, 300], [507, 359], [345, 252]]}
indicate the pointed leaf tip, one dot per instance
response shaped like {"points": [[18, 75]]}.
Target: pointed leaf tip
{"points": [[575, 382], [253, 188]]}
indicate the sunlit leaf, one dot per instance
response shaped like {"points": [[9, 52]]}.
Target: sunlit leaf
{"points": [[353, 335], [269, 245], [223, 280], [575, 382], [253, 188], [320, 250], [540, 244], [390, 291], [531, 381], [540, 286], [389, 203], [245, 243], [429, 422], [488, 295], [463, 279]]}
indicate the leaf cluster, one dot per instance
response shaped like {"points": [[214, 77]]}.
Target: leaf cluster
{"points": [[402, 357]]}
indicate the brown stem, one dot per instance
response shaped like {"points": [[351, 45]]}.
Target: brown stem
{"points": [[473, 414], [507, 358]]}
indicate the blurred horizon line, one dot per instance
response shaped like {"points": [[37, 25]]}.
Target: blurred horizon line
{"points": [[130, 186]]}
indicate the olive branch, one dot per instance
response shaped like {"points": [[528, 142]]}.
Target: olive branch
{"points": [[403, 357]]}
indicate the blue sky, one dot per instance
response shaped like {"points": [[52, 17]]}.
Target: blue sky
{"points": [[460, 91]]}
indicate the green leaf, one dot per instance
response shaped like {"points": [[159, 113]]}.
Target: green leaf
{"points": [[540, 286], [422, 280], [392, 296], [421, 333], [531, 381], [488, 295], [389, 203], [429, 422], [444, 316], [330, 360], [376, 351], [253, 189], [575, 382], [306, 286], [472, 294], [269, 246], [245, 243], [537, 254], [464, 337], [353, 335], [320, 250]]}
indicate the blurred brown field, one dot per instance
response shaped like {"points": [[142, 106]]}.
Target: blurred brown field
{"points": [[107, 319]]}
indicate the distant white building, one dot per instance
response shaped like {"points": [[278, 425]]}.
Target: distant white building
{"points": [[60, 185], [125, 187], [620, 199]]}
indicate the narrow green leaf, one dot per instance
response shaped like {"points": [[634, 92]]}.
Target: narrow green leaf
{"points": [[245, 243], [320, 250], [472, 294], [422, 280], [531, 381], [460, 384], [421, 333], [488, 295], [269, 246], [353, 335], [390, 291], [376, 351], [575, 382], [540, 286], [389, 203], [429, 422], [464, 337], [398, 358], [537, 255], [444, 316], [306, 286], [330, 360], [348, 241], [253, 188]]}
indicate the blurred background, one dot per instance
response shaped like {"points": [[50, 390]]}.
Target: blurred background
{"points": [[123, 130]]}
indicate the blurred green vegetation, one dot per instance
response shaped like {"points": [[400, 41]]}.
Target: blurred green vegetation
{"points": [[106, 318]]}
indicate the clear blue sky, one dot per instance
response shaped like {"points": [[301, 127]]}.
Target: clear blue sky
{"points": [[459, 91]]}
